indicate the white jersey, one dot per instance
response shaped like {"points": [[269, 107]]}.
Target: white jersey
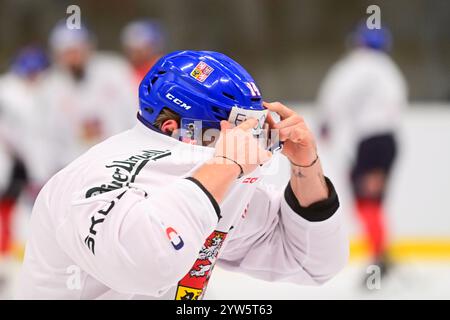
{"points": [[22, 127], [363, 95], [83, 113], [124, 222]]}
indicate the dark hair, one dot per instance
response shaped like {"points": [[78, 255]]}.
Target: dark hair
{"points": [[166, 114]]}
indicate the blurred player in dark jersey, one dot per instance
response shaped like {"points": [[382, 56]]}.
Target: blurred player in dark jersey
{"points": [[361, 102]]}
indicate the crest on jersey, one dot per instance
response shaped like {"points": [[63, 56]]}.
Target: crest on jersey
{"points": [[202, 71], [193, 285]]}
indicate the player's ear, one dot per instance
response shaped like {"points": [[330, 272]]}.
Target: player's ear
{"points": [[169, 126]]}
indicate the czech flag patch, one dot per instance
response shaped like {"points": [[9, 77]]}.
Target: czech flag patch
{"points": [[201, 71]]}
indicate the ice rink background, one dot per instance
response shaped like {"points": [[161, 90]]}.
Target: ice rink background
{"points": [[418, 216]]}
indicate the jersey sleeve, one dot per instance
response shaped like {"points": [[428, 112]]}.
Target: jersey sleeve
{"points": [[281, 241], [139, 243]]}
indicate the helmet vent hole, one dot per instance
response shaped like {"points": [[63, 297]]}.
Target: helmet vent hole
{"points": [[162, 72], [149, 110], [219, 112], [255, 99], [154, 80], [230, 96]]}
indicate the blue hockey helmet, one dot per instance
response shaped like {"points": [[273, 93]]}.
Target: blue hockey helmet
{"points": [[202, 85], [378, 39], [29, 60], [142, 33], [62, 38]]}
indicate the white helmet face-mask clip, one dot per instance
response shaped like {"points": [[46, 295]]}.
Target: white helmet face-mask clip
{"points": [[268, 139], [239, 115]]}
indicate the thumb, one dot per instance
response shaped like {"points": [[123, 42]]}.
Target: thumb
{"points": [[224, 125]]}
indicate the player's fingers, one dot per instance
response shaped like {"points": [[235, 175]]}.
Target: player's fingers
{"points": [[294, 133], [284, 134], [270, 121], [224, 125], [302, 137], [279, 108], [248, 124], [298, 135], [295, 119]]}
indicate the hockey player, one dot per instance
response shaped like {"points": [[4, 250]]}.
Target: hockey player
{"points": [[364, 95], [89, 95], [143, 44], [21, 136], [145, 215]]}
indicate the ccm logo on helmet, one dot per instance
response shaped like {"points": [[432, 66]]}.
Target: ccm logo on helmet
{"points": [[177, 101], [174, 238]]}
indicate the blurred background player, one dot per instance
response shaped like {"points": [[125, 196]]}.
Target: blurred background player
{"points": [[361, 101], [143, 42], [93, 90], [21, 140]]}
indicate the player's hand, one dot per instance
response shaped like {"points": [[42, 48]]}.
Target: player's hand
{"points": [[237, 153], [299, 144], [238, 144]]}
